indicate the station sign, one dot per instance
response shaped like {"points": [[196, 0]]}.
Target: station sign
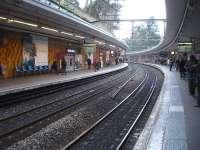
{"points": [[71, 51], [89, 48], [186, 48]]}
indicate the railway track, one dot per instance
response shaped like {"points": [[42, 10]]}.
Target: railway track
{"points": [[61, 95], [12, 126], [114, 128], [13, 98]]}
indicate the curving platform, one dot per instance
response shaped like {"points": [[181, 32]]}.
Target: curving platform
{"points": [[31, 82], [174, 122]]}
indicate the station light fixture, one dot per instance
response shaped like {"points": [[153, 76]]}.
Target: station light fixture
{"points": [[79, 36], [50, 29], [10, 20], [67, 33], [184, 43], [112, 46], [172, 52], [22, 22], [3, 18], [100, 42]]}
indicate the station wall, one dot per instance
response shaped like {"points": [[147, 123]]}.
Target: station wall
{"points": [[10, 53], [24, 49], [56, 50]]}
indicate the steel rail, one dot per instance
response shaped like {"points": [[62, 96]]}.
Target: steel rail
{"points": [[49, 89], [77, 93], [51, 114], [105, 116], [139, 115], [120, 88]]}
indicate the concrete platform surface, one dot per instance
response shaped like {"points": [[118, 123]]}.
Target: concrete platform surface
{"points": [[174, 123], [18, 84]]}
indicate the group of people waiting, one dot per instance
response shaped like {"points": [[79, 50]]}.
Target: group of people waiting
{"points": [[191, 68], [96, 64], [54, 66]]}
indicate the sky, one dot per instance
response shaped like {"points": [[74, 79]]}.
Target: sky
{"points": [[138, 9], [82, 3]]}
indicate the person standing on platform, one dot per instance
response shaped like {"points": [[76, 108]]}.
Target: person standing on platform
{"points": [[89, 63], [168, 61], [177, 63], [198, 83], [95, 64], [191, 69], [98, 64], [1, 70], [171, 63], [116, 60], [182, 67], [63, 64], [54, 67]]}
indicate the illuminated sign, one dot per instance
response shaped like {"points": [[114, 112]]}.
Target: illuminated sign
{"points": [[184, 47], [71, 51]]}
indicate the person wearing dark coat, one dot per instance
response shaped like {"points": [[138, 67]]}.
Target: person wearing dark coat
{"points": [[54, 67], [171, 63], [198, 83], [1, 70], [89, 63], [182, 67], [63, 64], [191, 69]]}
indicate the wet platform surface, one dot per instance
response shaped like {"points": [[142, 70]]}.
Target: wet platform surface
{"points": [[174, 123], [17, 84]]}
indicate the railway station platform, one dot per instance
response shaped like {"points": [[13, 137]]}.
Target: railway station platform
{"points": [[24, 83], [174, 123]]}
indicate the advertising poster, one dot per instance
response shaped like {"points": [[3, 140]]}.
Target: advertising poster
{"points": [[35, 50], [29, 51]]}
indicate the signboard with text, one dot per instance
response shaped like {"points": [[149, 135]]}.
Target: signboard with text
{"points": [[185, 48], [89, 48]]}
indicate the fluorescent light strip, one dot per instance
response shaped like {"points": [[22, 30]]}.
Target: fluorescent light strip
{"points": [[185, 43], [113, 46], [10, 20], [50, 29], [66, 33], [25, 23], [99, 42], [3, 18], [78, 36]]}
